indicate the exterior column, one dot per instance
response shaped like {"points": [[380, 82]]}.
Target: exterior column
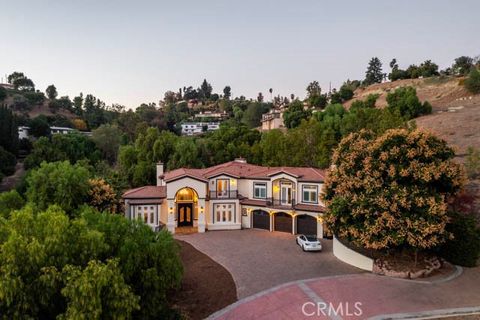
{"points": [[201, 215], [127, 210], [294, 224], [320, 227], [271, 220], [171, 216]]}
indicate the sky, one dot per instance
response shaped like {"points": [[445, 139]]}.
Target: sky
{"points": [[131, 52]]}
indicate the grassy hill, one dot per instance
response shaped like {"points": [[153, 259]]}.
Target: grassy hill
{"points": [[456, 112]]}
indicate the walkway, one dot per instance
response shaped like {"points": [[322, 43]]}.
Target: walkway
{"points": [[361, 296]]}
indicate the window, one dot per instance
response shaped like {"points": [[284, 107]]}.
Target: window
{"points": [[222, 187], [310, 193], [146, 214], [260, 190], [224, 213]]}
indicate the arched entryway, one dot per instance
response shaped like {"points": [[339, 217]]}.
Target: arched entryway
{"points": [[260, 219], [186, 202], [283, 222], [306, 224]]}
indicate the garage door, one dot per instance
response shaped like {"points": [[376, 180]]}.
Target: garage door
{"points": [[306, 225], [261, 219], [283, 222]]}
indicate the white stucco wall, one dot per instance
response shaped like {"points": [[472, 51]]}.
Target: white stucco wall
{"points": [[351, 257]]}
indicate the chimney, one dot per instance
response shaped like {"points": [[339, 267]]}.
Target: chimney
{"points": [[241, 160], [160, 181]]}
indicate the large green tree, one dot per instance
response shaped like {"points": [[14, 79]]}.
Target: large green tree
{"points": [[374, 72], [390, 192], [96, 266], [58, 183], [108, 138], [51, 92]]}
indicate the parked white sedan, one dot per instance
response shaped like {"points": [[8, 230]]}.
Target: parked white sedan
{"points": [[309, 243]]}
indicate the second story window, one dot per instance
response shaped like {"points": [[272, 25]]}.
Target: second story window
{"points": [[223, 187], [310, 193], [260, 190]]}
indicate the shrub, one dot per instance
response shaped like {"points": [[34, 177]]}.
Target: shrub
{"points": [[10, 201], [464, 248], [472, 162], [472, 83], [405, 101], [7, 162]]}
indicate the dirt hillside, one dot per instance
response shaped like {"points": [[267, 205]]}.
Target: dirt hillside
{"points": [[456, 112]]}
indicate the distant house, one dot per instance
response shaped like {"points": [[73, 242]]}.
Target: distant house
{"points": [[23, 131], [212, 115], [272, 120], [196, 128], [61, 130], [232, 195], [7, 86]]}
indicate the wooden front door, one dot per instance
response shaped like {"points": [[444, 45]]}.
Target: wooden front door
{"points": [[185, 214]]}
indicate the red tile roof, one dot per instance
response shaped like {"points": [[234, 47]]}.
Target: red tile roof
{"points": [[147, 192], [239, 169]]}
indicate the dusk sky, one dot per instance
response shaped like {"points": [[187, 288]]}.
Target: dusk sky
{"points": [[129, 52]]}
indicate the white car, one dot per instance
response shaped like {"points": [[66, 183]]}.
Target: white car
{"points": [[309, 243]]}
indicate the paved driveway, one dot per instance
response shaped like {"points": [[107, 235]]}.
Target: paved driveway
{"points": [[259, 260]]}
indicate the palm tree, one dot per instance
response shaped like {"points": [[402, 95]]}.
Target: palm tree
{"points": [[271, 96]]}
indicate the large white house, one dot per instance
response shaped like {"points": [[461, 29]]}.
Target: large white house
{"points": [[232, 195]]}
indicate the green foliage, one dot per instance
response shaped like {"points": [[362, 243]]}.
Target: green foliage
{"points": [[3, 93], [462, 65], [253, 114], [58, 183], [21, 82], [107, 138], [315, 98], [39, 127], [227, 92], [390, 192], [9, 201], [7, 162], [8, 130], [97, 266], [369, 102], [472, 162], [464, 248], [34, 98], [97, 291], [295, 113], [51, 92], [72, 147], [374, 72], [405, 101], [472, 83]]}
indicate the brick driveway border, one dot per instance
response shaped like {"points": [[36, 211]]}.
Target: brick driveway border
{"points": [[380, 298]]}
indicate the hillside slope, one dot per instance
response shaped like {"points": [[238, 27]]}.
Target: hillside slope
{"points": [[456, 112], [441, 92]]}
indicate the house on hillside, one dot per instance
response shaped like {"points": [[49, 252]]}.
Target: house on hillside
{"points": [[232, 195], [272, 120], [197, 128], [23, 131]]}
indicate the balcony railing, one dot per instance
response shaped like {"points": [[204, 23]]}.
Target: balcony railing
{"points": [[278, 203], [231, 194]]}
